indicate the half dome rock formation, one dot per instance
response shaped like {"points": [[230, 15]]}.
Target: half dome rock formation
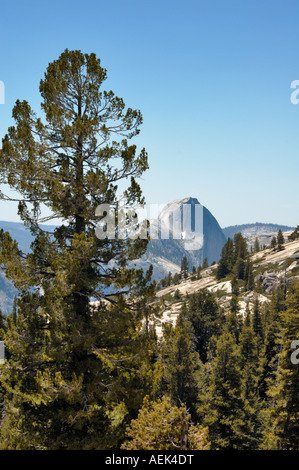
{"points": [[183, 228]]}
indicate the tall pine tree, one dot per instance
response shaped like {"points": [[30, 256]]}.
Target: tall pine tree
{"points": [[77, 338]]}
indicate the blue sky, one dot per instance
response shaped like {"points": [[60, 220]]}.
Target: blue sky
{"points": [[211, 78]]}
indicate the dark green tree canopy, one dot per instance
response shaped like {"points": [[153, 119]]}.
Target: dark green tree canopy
{"points": [[80, 307]]}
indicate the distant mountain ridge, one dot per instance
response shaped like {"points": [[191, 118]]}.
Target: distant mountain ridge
{"points": [[21, 234], [257, 228], [24, 238]]}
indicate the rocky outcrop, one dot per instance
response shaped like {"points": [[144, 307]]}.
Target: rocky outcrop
{"points": [[183, 228], [269, 280]]}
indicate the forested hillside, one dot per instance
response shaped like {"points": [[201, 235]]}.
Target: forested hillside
{"points": [[228, 347]]}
